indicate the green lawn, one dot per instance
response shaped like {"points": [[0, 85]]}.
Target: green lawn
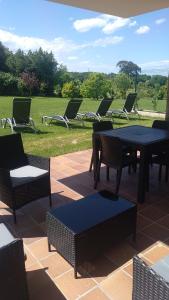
{"points": [[57, 139]]}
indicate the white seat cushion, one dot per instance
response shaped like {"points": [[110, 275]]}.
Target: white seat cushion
{"points": [[161, 267], [26, 174], [5, 236]]}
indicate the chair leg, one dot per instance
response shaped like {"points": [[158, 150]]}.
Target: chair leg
{"points": [[166, 173], [147, 179], [118, 180], [97, 175], [107, 173], [91, 163], [160, 171]]}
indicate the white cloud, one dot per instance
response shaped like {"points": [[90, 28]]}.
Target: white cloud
{"points": [[85, 25], [10, 28], [143, 29], [59, 46], [160, 21], [155, 67], [115, 25], [107, 41], [133, 23], [72, 57], [107, 23]]}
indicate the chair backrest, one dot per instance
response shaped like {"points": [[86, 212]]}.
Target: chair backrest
{"points": [[12, 151], [104, 106], [72, 108], [21, 110], [129, 103], [102, 125], [161, 124], [111, 151]]}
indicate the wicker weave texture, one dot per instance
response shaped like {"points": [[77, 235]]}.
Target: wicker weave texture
{"points": [[147, 284]]}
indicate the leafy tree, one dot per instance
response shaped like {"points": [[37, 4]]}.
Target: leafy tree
{"points": [[3, 56], [8, 84], [131, 69], [18, 62], [44, 66], [123, 83], [96, 86], [62, 76], [43, 89], [31, 82], [71, 89], [158, 80]]}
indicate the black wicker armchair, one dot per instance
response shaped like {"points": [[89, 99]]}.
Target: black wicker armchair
{"points": [[150, 283], [13, 281], [23, 177], [161, 156]]}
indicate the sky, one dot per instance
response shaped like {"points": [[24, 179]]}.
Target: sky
{"points": [[84, 40]]}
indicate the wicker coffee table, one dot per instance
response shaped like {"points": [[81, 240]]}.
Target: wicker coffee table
{"points": [[83, 229]]}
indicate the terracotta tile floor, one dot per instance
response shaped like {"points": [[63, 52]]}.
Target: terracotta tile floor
{"points": [[50, 277]]}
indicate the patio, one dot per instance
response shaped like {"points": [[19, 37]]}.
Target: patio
{"points": [[110, 276]]}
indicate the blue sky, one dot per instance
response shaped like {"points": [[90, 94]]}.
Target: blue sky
{"points": [[86, 41]]}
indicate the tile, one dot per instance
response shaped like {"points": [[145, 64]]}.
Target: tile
{"points": [[40, 285], [157, 232], [40, 248], [153, 213], [121, 253], [156, 253], [143, 242], [95, 294], [99, 268], [164, 221], [30, 260], [55, 265], [71, 287], [118, 286], [142, 222]]}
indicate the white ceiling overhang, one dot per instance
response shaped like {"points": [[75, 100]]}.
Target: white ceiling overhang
{"points": [[125, 8]]}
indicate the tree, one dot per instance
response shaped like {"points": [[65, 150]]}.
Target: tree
{"points": [[62, 76], [30, 81], [8, 84], [3, 56], [123, 83], [96, 86], [131, 69], [18, 62], [71, 89], [44, 66]]}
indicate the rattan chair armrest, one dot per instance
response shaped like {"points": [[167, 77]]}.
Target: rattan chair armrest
{"points": [[39, 161]]}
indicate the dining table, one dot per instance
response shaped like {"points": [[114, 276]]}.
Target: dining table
{"points": [[140, 138]]}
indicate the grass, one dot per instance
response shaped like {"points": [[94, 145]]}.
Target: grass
{"points": [[57, 139]]}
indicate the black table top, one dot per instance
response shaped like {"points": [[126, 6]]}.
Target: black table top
{"points": [[90, 211], [138, 135]]}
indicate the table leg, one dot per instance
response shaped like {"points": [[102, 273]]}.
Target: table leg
{"points": [[143, 173], [95, 155]]}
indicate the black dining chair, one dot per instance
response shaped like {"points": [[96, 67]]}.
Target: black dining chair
{"points": [[113, 155], [99, 126], [161, 156]]}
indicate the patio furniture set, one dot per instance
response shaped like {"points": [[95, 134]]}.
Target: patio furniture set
{"points": [[83, 229]]}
